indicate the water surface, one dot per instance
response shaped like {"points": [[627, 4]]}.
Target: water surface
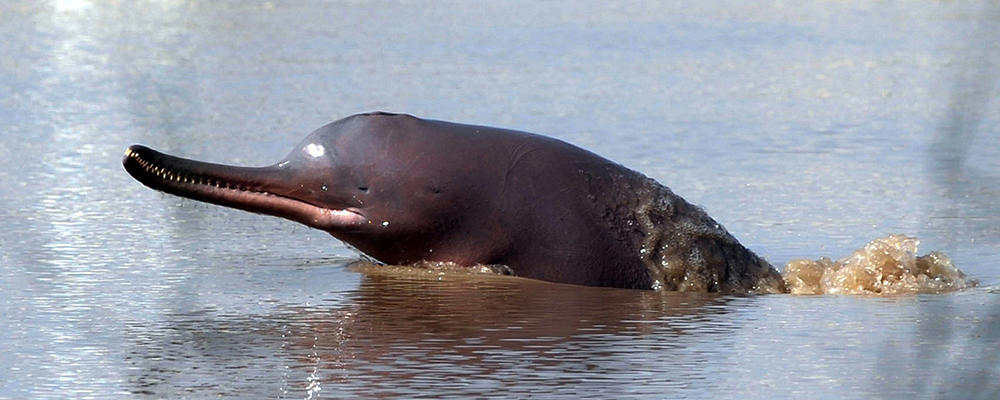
{"points": [[806, 129]]}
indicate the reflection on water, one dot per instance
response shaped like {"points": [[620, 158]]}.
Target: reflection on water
{"points": [[799, 126], [503, 334], [466, 335]]}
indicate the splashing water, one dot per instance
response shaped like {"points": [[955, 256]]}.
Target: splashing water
{"points": [[884, 266]]}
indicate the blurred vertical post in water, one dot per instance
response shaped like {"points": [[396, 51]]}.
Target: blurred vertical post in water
{"points": [[973, 86], [959, 361]]}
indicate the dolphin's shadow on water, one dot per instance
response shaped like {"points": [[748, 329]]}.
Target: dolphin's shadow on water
{"points": [[398, 334]]}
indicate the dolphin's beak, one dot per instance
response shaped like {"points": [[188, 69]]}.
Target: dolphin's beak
{"points": [[264, 190]]}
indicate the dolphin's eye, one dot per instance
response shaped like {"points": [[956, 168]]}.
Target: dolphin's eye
{"points": [[363, 188]]}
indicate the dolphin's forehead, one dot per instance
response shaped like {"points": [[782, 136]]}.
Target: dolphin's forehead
{"points": [[312, 148], [343, 148], [320, 143], [381, 144]]}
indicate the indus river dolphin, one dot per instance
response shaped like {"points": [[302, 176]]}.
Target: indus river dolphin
{"points": [[403, 190]]}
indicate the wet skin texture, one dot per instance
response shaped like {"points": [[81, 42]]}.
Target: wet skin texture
{"points": [[402, 190]]}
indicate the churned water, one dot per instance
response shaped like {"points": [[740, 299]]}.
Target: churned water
{"points": [[807, 130]]}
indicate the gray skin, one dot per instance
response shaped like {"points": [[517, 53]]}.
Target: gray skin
{"points": [[403, 190]]}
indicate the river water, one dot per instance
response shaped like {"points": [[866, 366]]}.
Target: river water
{"points": [[807, 130]]}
